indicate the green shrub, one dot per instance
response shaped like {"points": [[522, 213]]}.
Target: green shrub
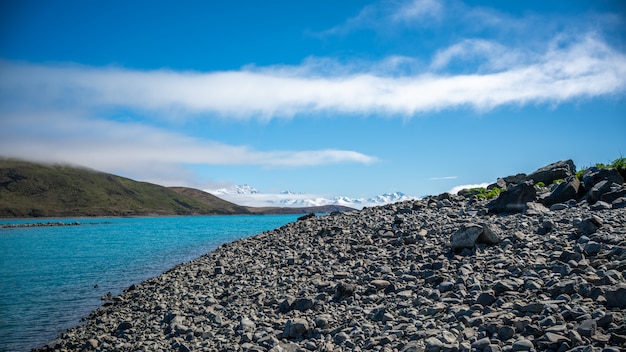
{"points": [[619, 164], [557, 181], [540, 184], [579, 173], [483, 193]]}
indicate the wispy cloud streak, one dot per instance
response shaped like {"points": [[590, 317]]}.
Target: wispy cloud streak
{"points": [[443, 178], [583, 68]]}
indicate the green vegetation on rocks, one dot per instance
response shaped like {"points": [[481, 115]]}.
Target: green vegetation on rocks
{"points": [[619, 164], [483, 193]]}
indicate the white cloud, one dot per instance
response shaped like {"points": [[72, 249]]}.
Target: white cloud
{"points": [[383, 15], [491, 56], [111, 145], [584, 68], [417, 10], [444, 178]]}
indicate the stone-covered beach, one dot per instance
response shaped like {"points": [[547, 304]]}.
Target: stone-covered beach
{"points": [[541, 267]]}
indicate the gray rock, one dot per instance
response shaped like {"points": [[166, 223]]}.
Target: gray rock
{"points": [[589, 225], [587, 328], [558, 206], [616, 297], [340, 338], [468, 235], [523, 345], [380, 284], [343, 290], [286, 305], [412, 346], [555, 171], [612, 196], [296, 327], [492, 348], [286, 347], [594, 175], [505, 285], [303, 304], [381, 314], [433, 344], [600, 205], [514, 199], [93, 343], [322, 321], [619, 203], [247, 325], [446, 286], [514, 179], [568, 189], [534, 208], [486, 299], [125, 325], [593, 195], [593, 247], [481, 344], [555, 339], [506, 332]]}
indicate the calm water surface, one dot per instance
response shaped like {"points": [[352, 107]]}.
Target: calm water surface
{"points": [[48, 274]]}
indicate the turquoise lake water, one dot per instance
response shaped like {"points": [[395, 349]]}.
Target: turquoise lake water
{"points": [[48, 274]]}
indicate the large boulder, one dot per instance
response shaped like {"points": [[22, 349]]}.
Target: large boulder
{"points": [[554, 171], [514, 180], [600, 188], [295, 328], [593, 175], [616, 297], [614, 195], [468, 235], [589, 225], [569, 189], [514, 199]]}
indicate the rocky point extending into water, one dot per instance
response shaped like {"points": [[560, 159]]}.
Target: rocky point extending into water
{"points": [[538, 268]]}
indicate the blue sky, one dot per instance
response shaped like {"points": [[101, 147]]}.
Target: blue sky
{"points": [[350, 98]]}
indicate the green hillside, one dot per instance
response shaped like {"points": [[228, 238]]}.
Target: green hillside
{"points": [[41, 190], [210, 200]]}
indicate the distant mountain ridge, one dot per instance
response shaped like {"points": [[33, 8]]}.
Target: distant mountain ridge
{"points": [[239, 189], [248, 195], [202, 196]]}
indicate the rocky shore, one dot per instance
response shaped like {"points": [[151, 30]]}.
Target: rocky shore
{"points": [[538, 268], [50, 223]]}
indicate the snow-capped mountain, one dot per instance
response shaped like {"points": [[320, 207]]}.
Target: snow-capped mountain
{"points": [[239, 189], [249, 196]]}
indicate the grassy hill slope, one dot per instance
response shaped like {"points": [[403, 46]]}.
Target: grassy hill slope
{"points": [[39, 190]]}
